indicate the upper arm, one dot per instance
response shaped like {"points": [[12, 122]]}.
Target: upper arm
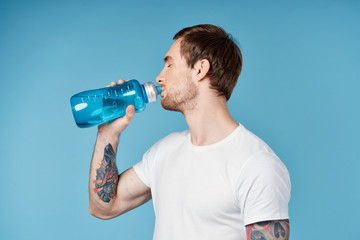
{"points": [[131, 192], [276, 229], [263, 189]]}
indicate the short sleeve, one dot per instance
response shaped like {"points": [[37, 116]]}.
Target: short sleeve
{"points": [[263, 189], [143, 168]]}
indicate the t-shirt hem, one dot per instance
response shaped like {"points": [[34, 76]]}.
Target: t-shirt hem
{"points": [[141, 175], [262, 218]]}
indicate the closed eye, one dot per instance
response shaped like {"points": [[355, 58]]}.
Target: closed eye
{"points": [[167, 60]]}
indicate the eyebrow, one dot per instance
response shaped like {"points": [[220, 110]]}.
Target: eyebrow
{"points": [[167, 58]]}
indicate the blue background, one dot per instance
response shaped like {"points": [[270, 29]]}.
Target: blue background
{"points": [[299, 92]]}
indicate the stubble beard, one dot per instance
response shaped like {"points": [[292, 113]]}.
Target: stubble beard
{"points": [[183, 99]]}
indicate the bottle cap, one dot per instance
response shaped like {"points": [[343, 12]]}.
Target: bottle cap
{"points": [[150, 91]]}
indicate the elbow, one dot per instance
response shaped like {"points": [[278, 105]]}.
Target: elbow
{"points": [[104, 215], [99, 215]]}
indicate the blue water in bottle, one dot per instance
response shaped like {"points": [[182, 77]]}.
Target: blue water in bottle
{"points": [[94, 107]]}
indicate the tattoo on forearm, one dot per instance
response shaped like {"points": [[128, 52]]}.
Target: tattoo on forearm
{"points": [[106, 176], [269, 230]]}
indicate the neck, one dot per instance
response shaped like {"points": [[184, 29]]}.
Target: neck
{"points": [[210, 121]]}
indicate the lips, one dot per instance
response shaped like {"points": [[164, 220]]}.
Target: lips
{"points": [[162, 91]]}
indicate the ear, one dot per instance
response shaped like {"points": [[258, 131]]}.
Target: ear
{"points": [[202, 68]]}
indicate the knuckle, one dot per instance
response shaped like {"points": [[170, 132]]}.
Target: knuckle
{"points": [[127, 120]]}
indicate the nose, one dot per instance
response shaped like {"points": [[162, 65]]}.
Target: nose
{"points": [[160, 78]]}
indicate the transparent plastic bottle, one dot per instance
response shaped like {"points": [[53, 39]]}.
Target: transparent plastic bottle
{"points": [[94, 107]]}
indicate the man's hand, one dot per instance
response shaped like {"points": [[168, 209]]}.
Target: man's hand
{"points": [[118, 125]]}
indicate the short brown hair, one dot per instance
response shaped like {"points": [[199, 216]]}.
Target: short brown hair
{"points": [[219, 48]]}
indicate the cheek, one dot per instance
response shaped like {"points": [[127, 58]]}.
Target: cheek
{"points": [[170, 74]]}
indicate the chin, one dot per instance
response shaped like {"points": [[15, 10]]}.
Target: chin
{"points": [[170, 106]]}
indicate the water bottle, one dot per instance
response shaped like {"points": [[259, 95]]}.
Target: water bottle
{"points": [[97, 106]]}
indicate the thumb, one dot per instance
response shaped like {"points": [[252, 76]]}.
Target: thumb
{"points": [[130, 112], [120, 124]]}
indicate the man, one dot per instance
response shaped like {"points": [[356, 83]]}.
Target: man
{"points": [[215, 181]]}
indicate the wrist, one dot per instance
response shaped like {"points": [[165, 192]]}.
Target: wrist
{"points": [[107, 137]]}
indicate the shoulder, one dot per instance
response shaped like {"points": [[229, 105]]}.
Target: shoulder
{"points": [[253, 143], [175, 136], [167, 143], [264, 165], [172, 138], [246, 147]]}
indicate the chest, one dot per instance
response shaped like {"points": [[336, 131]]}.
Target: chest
{"points": [[198, 183]]}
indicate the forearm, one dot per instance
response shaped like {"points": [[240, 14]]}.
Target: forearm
{"points": [[104, 176]]}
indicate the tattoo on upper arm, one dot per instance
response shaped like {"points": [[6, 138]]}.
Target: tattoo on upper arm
{"points": [[106, 176], [269, 230]]}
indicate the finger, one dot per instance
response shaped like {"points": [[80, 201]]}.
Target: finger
{"points": [[113, 83], [121, 81], [130, 112]]}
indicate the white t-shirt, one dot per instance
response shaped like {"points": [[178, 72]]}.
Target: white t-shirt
{"points": [[214, 191]]}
